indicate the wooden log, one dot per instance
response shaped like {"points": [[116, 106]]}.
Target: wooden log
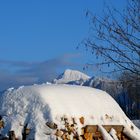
{"points": [[12, 135], [1, 124], [118, 128], [25, 132], [91, 128], [59, 133], [88, 136], [74, 122], [82, 130], [65, 136], [94, 128], [97, 134], [129, 134], [51, 125], [82, 120]]}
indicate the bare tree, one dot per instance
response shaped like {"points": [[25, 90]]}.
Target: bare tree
{"points": [[115, 37]]}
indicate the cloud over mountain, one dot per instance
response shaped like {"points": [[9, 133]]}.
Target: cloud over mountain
{"points": [[15, 73]]}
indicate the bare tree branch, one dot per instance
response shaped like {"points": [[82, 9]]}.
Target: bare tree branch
{"points": [[116, 37]]}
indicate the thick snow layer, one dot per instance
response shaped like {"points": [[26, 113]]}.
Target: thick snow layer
{"points": [[105, 135], [133, 135], [39, 104], [71, 76], [113, 134]]}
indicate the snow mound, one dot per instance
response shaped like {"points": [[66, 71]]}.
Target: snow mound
{"points": [[71, 76], [35, 105]]}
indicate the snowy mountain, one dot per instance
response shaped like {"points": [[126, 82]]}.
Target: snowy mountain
{"points": [[71, 77], [46, 111]]}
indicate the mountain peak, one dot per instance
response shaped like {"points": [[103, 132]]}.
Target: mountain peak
{"points": [[70, 76]]}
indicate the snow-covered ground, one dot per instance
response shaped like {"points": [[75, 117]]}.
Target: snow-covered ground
{"points": [[38, 104]]}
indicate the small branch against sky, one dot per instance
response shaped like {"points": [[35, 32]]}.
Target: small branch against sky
{"points": [[115, 38]]}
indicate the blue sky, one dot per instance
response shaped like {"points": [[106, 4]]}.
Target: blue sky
{"points": [[38, 38]]}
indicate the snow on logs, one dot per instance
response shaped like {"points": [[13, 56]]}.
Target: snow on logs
{"points": [[63, 111]]}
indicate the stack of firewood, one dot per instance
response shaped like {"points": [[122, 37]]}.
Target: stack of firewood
{"points": [[70, 130]]}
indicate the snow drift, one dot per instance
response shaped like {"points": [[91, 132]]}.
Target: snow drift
{"points": [[35, 105]]}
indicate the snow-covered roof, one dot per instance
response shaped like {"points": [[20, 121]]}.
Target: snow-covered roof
{"points": [[38, 104]]}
